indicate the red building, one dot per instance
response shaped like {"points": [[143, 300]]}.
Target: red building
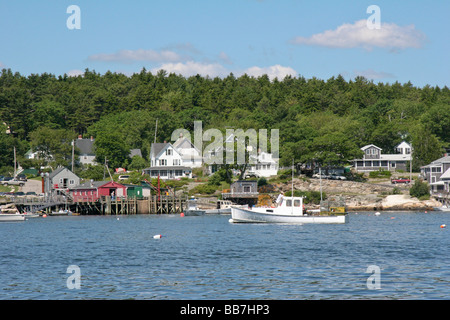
{"points": [[93, 191]]}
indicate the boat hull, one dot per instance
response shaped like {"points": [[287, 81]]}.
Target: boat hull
{"points": [[189, 213], [252, 216], [8, 217]]}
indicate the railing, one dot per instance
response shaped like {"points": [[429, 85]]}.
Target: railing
{"points": [[240, 194]]}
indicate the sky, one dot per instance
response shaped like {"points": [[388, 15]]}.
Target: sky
{"points": [[397, 40]]}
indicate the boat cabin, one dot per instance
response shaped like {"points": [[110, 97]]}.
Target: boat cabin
{"points": [[290, 204]]}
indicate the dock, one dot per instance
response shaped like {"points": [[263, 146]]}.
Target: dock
{"points": [[105, 205]]}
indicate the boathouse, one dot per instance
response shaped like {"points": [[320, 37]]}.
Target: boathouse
{"points": [[91, 191]]}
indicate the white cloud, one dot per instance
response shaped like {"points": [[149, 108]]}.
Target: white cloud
{"points": [[372, 74], [129, 56], [358, 34], [191, 68], [272, 72], [75, 73]]}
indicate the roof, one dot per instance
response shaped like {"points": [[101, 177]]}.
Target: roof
{"points": [[370, 146], [158, 147], [445, 175], [91, 185], [445, 159], [168, 168], [135, 152], [86, 146], [59, 170], [395, 157]]}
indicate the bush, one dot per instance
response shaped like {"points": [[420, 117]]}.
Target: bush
{"points": [[419, 189], [380, 174], [203, 189]]}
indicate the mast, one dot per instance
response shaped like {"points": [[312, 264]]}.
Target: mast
{"points": [[15, 163], [292, 203]]}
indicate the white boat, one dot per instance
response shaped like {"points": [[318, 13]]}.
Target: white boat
{"points": [[223, 207], [10, 217], [60, 213], [192, 209], [443, 208], [30, 215], [289, 210]]}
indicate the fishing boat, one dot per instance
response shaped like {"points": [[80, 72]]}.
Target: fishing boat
{"points": [[10, 217], [60, 213], [444, 208], [288, 210], [223, 207], [192, 208]]}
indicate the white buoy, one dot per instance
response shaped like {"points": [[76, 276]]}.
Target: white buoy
{"points": [[157, 236], [230, 221], [377, 213]]}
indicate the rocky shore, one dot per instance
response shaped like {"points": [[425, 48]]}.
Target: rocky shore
{"points": [[363, 196]]}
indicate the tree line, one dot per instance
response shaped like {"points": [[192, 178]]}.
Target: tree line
{"points": [[321, 121]]}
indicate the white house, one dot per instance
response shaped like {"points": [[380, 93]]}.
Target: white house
{"points": [[190, 155], [265, 166], [86, 147], [167, 162], [437, 174], [261, 165], [373, 159]]}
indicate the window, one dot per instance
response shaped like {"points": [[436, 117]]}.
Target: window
{"points": [[176, 162], [288, 203], [163, 162], [71, 182], [169, 152], [393, 164], [178, 173], [247, 188], [296, 203], [376, 163]]}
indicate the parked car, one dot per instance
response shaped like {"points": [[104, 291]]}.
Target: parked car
{"points": [[337, 177], [317, 176], [400, 180], [21, 177]]}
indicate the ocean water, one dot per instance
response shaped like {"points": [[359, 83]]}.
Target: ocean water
{"points": [[209, 258]]}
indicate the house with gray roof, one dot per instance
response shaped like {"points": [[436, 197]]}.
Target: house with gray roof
{"points": [[167, 162], [86, 147], [61, 179], [437, 174], [374, 159]]}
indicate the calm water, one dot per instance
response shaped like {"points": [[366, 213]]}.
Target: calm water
{"points": [[209, 258]]}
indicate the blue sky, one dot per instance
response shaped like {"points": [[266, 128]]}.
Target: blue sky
{"points": [[320, 38]]}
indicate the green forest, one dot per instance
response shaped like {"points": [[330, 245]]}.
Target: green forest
{"points": [[321, 121]]}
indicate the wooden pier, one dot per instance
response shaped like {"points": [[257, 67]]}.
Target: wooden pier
{"points": [[106, 205]]}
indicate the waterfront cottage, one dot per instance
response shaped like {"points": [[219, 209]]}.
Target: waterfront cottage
{"points": [[92, 191], [190, 155], [437, 174], [166, 162], [373, 159], [86, 147], [61, 180]]}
